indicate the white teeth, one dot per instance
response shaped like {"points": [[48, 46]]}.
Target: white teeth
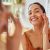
{"points": [[34, 19]]}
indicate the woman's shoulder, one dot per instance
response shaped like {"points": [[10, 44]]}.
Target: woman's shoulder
{"points": [[28, 31], [25, 39]]}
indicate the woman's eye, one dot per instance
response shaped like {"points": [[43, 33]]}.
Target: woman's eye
{"points": [[36, 11]]}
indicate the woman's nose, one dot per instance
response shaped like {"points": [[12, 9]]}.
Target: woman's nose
{"points": [[32, 15]]}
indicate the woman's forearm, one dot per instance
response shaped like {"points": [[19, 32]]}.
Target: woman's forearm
{"points": [[45, 41]]}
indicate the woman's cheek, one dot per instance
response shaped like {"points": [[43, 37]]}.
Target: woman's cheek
{"points": [[41, 19]]}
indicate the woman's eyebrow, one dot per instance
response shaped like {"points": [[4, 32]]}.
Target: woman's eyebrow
{"points": [[36, 8]]}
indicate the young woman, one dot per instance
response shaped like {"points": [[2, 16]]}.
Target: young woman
{"points": [[37, 38]]}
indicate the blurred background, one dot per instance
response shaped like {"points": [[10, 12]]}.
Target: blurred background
{"points": [[20, 7]]}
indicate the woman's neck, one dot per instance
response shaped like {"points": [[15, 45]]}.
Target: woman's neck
{"points": [[38, 28]]}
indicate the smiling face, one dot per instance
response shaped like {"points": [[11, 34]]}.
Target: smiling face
{"points": [[35, 14]]}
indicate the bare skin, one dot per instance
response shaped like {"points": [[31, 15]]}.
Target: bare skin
{"points": [[12, 43], [15, 40]]}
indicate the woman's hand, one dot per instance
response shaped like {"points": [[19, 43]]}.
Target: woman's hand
{"points": [[45, 32], [18, 26], [46, 24], [15, 40]]}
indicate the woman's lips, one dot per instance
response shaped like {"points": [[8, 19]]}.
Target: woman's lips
{"points": [[34, 19]]}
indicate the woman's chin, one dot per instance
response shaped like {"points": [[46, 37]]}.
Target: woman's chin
{"points": [[34, 23]]}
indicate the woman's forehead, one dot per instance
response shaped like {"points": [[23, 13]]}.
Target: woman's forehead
{"points": [[34, 7]]}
